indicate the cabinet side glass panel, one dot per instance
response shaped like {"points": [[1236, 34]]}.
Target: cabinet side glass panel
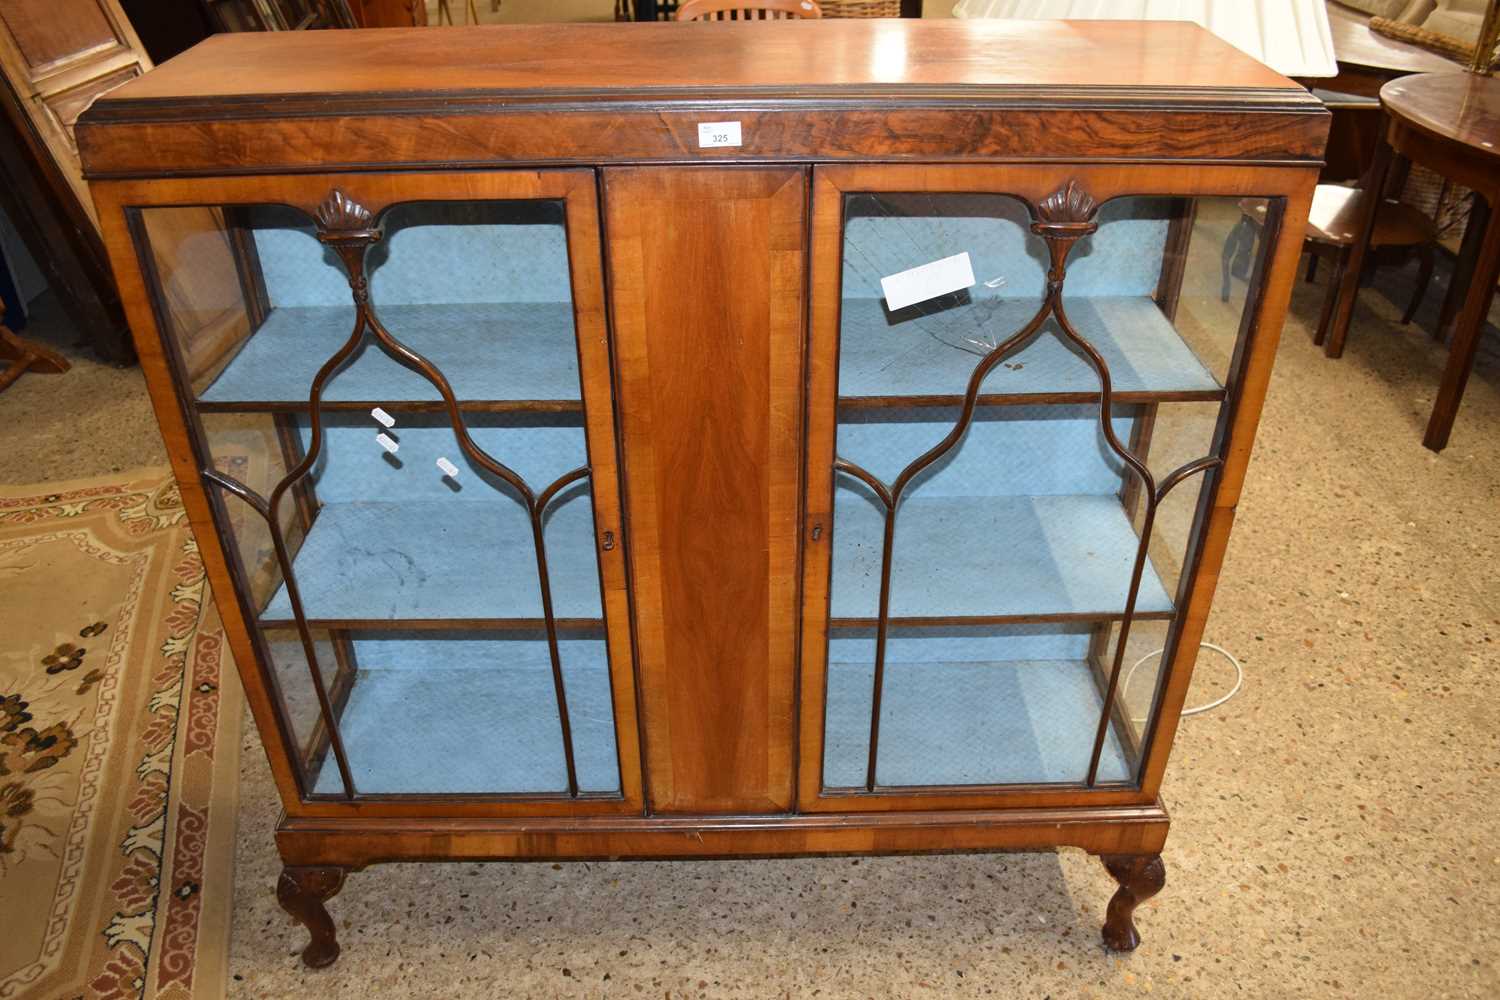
{"points": [[251, 451], [1216, 260], [987, 546], [438, 579]]}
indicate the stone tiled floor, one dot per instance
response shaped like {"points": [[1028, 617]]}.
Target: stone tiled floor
{"points": [[92, 420]]}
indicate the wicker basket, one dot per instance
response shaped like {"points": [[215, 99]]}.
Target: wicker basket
{"points": [[860, 8]]}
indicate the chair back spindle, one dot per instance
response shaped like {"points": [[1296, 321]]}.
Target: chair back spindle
{"points": [[747, 10]]}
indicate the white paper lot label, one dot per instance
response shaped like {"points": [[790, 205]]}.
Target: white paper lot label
{"points": [[951, 274], [718, 134]]}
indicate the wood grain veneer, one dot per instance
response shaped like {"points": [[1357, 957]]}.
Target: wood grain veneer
{"points": [[708, 60], [813, 90], [708, 342]]}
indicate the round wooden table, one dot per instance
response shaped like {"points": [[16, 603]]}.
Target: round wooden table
{"points": [[1449, 122]]}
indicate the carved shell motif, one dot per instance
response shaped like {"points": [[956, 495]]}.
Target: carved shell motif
{"points": [[1068, 205], [340, 213]]}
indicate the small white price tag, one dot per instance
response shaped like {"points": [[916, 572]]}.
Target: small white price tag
{"points": [[383, 418], [718, 134], [928, 281], [449, 469], [387, 442]]}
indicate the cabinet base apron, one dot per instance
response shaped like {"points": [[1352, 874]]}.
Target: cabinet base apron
{"points": [[318, 852]]}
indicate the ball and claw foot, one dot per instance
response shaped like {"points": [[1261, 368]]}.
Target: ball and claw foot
{"points": [[302, 891], [1141, 876]]}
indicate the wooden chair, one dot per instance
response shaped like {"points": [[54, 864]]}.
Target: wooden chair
{"points": [[747, 10], [18, 355], [645, 10], [1332, 226], [445, 12]]}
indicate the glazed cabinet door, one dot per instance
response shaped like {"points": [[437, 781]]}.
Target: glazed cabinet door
{"points": [[1031, 395], [399, 454]]}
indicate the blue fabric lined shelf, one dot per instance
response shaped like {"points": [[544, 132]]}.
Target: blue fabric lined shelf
{"points": [[487, 351], [1003, 557], [929, 356], [974, 723], [471, 715], [441, 560]]}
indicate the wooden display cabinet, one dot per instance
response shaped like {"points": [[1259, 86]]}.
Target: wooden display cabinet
{"points": [[730, 558]]}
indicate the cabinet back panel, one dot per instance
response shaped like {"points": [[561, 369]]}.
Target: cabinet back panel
{"points": [[889, 233], [707, 271], [353, 467], [1007, 450], [481, 703], [963, 643], [432, 252]]}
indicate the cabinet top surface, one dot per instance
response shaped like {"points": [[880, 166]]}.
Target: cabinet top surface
{"points": [[706, 61]]}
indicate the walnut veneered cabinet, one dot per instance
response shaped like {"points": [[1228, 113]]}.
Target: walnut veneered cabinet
{"points": [[703, 440]]}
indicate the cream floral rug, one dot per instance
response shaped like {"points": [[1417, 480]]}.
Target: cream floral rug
{"points": [[119, 743]]}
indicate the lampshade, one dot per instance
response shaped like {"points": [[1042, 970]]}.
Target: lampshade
{"points": [[1290, 36]]}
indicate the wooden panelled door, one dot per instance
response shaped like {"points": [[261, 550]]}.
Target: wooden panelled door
{"points": [[59, 56], [389, 13]]}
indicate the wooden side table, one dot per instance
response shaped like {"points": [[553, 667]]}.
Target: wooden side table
{"points": [[1332, 226], [1451, 123]]}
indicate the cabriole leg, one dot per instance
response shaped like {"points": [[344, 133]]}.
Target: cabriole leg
{"points": [[1141, 876], [302, 893]]}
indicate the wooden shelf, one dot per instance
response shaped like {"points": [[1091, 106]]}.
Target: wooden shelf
{"points": [[496, 357], [915, 362], [431, 624], [394, 406], [441, 563], [990, 560], [1054, 617]]}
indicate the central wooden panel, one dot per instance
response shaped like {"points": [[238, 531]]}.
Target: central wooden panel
{"points": [[706, 268]]}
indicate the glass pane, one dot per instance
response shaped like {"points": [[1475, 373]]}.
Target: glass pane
{"points": [[472, 712], [251, 449], [412, 546], [931, 347], [293, 676], [481, 289], [1021, 518], [967, 705], [198, 256], [395, 538], [1010, 544], [1140, 672]]}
